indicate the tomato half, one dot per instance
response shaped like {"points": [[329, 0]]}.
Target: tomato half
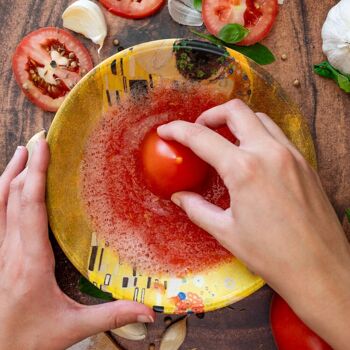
{"points": [[132, 8], [170, 167], [290, 332], [47, 64], [256, 15]]}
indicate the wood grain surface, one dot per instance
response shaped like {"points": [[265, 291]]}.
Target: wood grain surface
{"points": [[245, 325]]}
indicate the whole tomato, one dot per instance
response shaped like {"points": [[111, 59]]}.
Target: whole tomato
{"points": [[290, 332], [170, 167]]}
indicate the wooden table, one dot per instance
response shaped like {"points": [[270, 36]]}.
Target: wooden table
{"points": [[245, 325]]}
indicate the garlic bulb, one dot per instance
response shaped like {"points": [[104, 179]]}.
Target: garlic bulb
{"points": [[86, 18], [183, 12], [336, 36]]}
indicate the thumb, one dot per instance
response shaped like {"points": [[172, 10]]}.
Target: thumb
{"points": [[204, 214], [90, 320]]}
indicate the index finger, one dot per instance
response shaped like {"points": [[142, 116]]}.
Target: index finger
{"points": [[205, 143], [240, 119]]}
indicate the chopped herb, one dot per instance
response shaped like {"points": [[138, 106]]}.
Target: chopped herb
{"points": [[200, 74], [200, 60]]}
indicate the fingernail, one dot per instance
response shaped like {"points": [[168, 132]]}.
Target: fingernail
{"points": [[145, 319], [176, 200], [160, 127], [36, 145], [42, 134], [19, 149]]}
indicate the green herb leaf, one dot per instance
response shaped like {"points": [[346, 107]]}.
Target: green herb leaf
{"points": [[197, 4], [347, 212], [325, 69], [322, 70], [257, 52], [233, 33], [88, 288]]}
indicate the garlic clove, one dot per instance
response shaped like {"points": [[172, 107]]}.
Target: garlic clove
{"points": [[174, 336], [183, 12], [133, 331], [336, 36], [85, 17]]}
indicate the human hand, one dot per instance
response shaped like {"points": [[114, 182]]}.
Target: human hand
{"points": [[280, 222], [35, 313]]}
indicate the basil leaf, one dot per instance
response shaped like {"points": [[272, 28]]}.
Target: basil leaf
{"points": [[88, 288], [326, 70], [322, 70], [257, 52], [197, 4], [233, 33], [347, 212]]}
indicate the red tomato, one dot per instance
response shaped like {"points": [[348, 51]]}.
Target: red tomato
{"points": [[47, 64], [256, 15], [133, 8], [170, 167], [290, 332]]}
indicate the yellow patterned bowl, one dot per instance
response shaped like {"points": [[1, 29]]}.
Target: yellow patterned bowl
{"points": [[105, 86]]}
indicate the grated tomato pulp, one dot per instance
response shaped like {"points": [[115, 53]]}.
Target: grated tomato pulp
{"points": [[149, 232]]}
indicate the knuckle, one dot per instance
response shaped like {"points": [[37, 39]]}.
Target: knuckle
{"points": [[193, 131], [249, 167], [235, 103], [115, 322], [282, 155], [26, 201], [15, 185], [227, 167]]}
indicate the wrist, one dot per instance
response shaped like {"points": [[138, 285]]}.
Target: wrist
{"points": [[323, 301]]}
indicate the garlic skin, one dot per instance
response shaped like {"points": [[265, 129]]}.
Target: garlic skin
{"points": [[183, 12], [174, 336], [132, 331], [336, 36], [86, 18]]}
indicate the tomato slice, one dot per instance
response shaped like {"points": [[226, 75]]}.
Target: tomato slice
{"points": [[256, 15], [290, 332], [47, 64], [133, 8], [170, 167]]}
